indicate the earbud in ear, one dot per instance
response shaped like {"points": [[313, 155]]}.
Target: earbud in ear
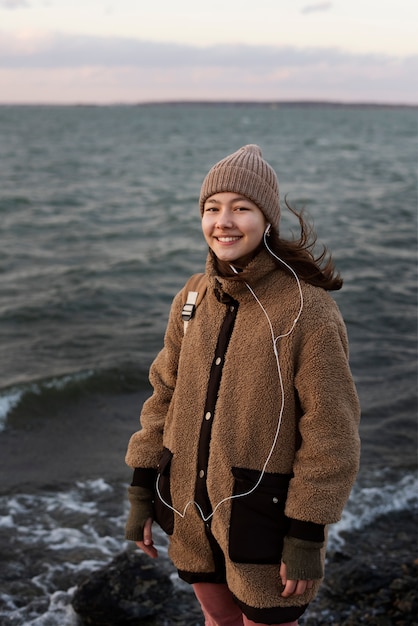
{"points": [[267, 229]]}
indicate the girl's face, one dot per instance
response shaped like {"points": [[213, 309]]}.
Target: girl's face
{"points": [[232, 225]]}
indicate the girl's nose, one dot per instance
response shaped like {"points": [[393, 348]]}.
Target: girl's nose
{"points": [[224, 220]]}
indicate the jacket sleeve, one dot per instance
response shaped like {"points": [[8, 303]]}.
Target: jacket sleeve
{"points": [[327, 461], [145, 445]]}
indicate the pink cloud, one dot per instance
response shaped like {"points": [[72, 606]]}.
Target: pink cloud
{"points": [[99, 70]]}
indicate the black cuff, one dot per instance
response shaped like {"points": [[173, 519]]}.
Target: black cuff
{"points": [[306, 530], [144, 477]]}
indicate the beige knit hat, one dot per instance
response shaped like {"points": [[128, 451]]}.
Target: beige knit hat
{"points": [[245, 172]]}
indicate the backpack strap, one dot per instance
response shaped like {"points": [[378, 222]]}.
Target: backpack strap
{"points": [[196, 288]]}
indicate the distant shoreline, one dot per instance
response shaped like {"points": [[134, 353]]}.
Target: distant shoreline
{"points": [[273, 104]]}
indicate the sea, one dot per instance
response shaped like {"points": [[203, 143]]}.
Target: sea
{"points": [[99, 228]]}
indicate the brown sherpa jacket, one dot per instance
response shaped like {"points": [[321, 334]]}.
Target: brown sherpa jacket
{"points": [[317, 448]]}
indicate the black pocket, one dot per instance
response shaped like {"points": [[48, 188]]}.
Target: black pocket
{"points": [[258, 523], [164, 516]]}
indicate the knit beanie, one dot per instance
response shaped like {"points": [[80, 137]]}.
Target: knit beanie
{"points": [[245, 172]]}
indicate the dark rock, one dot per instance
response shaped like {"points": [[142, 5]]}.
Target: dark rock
{"points": [[374, 581], [128, 590], [348, 579]]}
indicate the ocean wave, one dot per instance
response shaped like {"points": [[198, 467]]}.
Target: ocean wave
{"points": [[369, 502], [7, 402], [13, 397], [29, 398]]}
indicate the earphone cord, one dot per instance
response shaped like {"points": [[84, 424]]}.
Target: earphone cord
{"points": [[279, 423]]}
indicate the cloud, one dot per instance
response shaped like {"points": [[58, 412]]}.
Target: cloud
{"points": [[84, 69], [87, 51], [315, 8], [13, 4]]}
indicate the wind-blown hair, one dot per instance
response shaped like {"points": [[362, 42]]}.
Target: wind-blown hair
{"points": [[318, 270]]}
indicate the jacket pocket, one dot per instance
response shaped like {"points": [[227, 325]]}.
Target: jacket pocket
{"points": [[164, 516], [258, 523]]}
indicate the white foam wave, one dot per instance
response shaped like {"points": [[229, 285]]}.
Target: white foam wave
{"points": [[68, 534], [6, 521], [369, 502], [7, 403]]}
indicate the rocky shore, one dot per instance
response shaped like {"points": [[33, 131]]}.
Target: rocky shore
{"points": [[371, 580]]}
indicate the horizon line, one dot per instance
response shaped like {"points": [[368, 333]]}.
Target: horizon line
{"points": [[221, 102]]}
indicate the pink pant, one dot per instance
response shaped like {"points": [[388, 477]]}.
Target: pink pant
{"points": [[220, 609]]}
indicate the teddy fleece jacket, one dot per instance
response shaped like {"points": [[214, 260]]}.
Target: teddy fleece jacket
{"points": [[291, 421]]}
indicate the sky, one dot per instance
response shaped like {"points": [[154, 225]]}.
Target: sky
{"points": [[135, 51]]}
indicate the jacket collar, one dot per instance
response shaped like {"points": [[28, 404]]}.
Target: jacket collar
{"points": [[261, 266]]}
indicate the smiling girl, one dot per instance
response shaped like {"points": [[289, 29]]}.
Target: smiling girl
{"points": [[249, 443]]}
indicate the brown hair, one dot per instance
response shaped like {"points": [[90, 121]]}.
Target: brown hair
{"points": [[299, 254]]}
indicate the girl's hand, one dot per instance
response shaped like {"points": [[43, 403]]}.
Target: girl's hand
{"points": [[147, 545], [293, 587]]}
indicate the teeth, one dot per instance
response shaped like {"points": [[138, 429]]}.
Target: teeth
{"points": [[228, 239]]}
